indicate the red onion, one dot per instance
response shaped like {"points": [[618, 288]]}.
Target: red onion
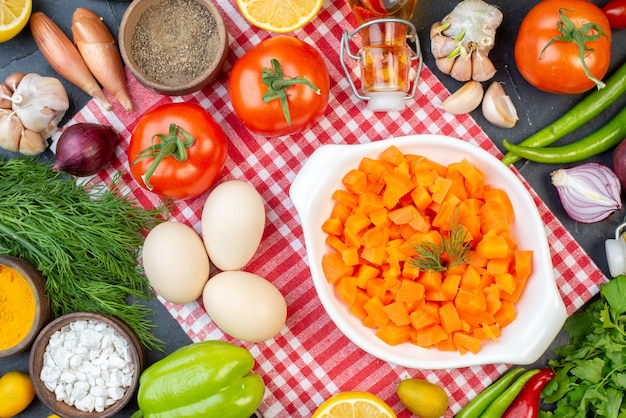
{"points": [[83, 149], [589, 192], [619, 162]]}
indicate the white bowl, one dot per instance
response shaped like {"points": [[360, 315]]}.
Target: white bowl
{"points": [[540, 311]]}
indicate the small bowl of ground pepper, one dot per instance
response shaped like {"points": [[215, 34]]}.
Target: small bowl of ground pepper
{"points": [[173, 47], [24, 305]]}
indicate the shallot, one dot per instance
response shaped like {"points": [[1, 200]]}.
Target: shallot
{"points": [[589, 192], [84, 149]]}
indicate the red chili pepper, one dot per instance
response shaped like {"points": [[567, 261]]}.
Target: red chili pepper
{"points": [[526, 404]]}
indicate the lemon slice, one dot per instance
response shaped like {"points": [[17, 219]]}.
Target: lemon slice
{"points": [[279, 15], [354, 405], [14, 15]]}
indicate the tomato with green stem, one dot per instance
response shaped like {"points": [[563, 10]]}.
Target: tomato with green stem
{"points": [[177, 150], [279, 87], [564, 46]]}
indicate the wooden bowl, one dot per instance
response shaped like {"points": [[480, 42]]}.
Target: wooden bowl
{"points": [[40, 345], [173, 53], [43, 312]]}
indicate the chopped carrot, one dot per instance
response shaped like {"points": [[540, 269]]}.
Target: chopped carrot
{"points": [[392, 205]]}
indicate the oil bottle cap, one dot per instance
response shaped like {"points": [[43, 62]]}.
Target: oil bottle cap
{"points": [[386, 101]]}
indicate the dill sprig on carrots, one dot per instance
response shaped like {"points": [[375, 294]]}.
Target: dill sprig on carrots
{"points": [[454, 250], [84, 240]]}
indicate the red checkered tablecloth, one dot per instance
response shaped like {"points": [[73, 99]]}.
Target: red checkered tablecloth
{"points": [[311, 359]]}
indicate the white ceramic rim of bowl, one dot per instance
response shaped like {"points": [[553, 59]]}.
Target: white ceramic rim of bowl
{"points": [[540, 305]]}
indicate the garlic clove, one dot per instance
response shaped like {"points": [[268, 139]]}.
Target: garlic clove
{"points": [[441, 46], [498, 108], [32, 143], [465, 99], [13, 80], [444, 64], [462, 68], [10, 130], [482, 67], [5, 97], [589, 192]]}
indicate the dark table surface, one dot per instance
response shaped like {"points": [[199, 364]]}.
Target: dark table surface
{"points": [[536, 109]]}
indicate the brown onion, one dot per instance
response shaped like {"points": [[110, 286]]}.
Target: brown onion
{"points": [[84, 149]]}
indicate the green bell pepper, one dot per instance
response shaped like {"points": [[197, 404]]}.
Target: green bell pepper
{"points": [[203, 379]]}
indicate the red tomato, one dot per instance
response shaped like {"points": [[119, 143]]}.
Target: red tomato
{"points": [[554, 65], [615, 11], [296, 59], [205, 155]]}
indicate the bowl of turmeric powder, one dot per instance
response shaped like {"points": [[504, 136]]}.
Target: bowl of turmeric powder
{"points": [[24, 305]]}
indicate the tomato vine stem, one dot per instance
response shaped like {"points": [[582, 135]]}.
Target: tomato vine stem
{"points": [[588, 32], [277, 86]]}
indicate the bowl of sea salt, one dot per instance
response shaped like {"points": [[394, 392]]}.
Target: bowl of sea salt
{"points": [[86, 365]]}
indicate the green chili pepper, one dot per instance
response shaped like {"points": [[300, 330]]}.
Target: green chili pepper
{"points": [[203, 379], [588, 108], [502, 402], [605, 138], [481, 402]]}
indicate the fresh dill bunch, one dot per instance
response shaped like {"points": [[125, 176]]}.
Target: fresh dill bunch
{"points": [[84, 240], [453, 251]]}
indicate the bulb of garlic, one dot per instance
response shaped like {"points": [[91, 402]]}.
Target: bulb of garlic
{"points": [[40, 103]]}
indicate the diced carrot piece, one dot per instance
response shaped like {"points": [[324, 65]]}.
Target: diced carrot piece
{"points": [[375, 310], [497, 266], [466, 341], [397, 313], [431, 335], [446, 345], [487, 332], [474, 178], [379, 217], [372, 168], [506, 282], [421, 197], [335, 243], [376, 288], [341, 211], [470, 279], [334, 268], [450, 286], [350, 256], [410, 271], [506, 314], [394, 334], [500, 198], [374, 237], [359, 300], [402, 215], [431, 280], [369, 202], [492, 246], [393, 155], [409, 291], [366, 273], [357, 222], [439, 189], [449, 317], [333, 226], [355, 181], [523, 264], [471, 301], [374, 255], [421, 319], [345, 197], [346, 289]]}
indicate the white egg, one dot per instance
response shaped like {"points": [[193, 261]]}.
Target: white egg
{"points": [[244, 305], [175, 262], [233, 221]]}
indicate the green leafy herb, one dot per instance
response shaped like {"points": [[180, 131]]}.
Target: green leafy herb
{"points": [[591, 369], [84, 240], [452, 251]]}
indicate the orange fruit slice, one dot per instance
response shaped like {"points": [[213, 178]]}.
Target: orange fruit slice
{"points": [[279, 15], [14, 15], [354, 405]]}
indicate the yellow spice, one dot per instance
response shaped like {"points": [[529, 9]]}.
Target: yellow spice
{"points": [[17, 307]]}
